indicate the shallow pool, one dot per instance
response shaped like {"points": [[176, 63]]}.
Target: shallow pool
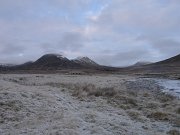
{"points": [[170, 86]]}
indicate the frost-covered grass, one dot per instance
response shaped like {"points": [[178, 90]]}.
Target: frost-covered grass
{"points": [[72, 104]]}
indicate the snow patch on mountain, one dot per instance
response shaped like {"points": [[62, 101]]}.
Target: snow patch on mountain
{"points": [[85, 60]]}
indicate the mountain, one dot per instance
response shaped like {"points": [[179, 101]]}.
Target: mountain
{"points": [[171, 65], [85, 61], [171, 61], [23, 66], [168, 67], [141, 63], [53, 61]]}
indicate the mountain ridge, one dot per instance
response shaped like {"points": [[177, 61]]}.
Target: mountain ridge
{"points": [[56, 62]]}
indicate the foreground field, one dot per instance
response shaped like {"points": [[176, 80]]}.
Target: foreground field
{"points": [[82, 105]]}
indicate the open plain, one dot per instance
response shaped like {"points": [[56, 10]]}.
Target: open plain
{"points": [[55, 104]]}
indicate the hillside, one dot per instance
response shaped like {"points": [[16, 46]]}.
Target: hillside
{"points": [[167, 68], [171, 61], [141, 63]]}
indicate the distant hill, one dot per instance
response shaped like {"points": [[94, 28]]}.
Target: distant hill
{"points": [[166, 67], [7, 65], [171, 61], [141, 63]]}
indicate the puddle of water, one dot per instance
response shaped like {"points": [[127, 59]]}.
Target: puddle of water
{"points": [[170, 86]]}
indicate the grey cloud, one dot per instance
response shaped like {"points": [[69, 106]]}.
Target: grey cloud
{"points": [[61, 26], [17, 9], [123, 58], [157, 20], [11, 53], [49, 48], [69, 41], [142, 16], [71, 4], [9, 49], [167, 47]]}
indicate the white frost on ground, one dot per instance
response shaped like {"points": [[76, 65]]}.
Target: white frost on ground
{"points": [[38, 109]]}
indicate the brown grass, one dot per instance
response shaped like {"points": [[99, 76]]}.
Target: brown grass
{"points": [[134, 115], [178, 111], [84, 90], [145, 103], [152, 105], [80, 90], [165, 97], [159, 116], [11, 105], [173, 132], [146, 94]]}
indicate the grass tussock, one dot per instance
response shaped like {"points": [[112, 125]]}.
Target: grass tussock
{"points": [[80, 90], [165, 97], [11, 105], [178, 111], [124, 101], [146, 94], [176, 122], [159, 116], [134, 115], [85, 90], [173, 132], [152, 105]]}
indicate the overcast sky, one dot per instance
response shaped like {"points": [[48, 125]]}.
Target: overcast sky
{"points": [[111, 32]]}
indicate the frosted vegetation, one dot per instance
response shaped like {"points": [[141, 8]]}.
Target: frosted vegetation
{"points": [[84, 105]]}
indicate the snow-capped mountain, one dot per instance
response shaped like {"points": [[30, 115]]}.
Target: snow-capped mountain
{"points": [[53, 61], [85, 61]]}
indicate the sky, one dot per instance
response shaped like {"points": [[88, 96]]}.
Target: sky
{"points": [[111, 32]]}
